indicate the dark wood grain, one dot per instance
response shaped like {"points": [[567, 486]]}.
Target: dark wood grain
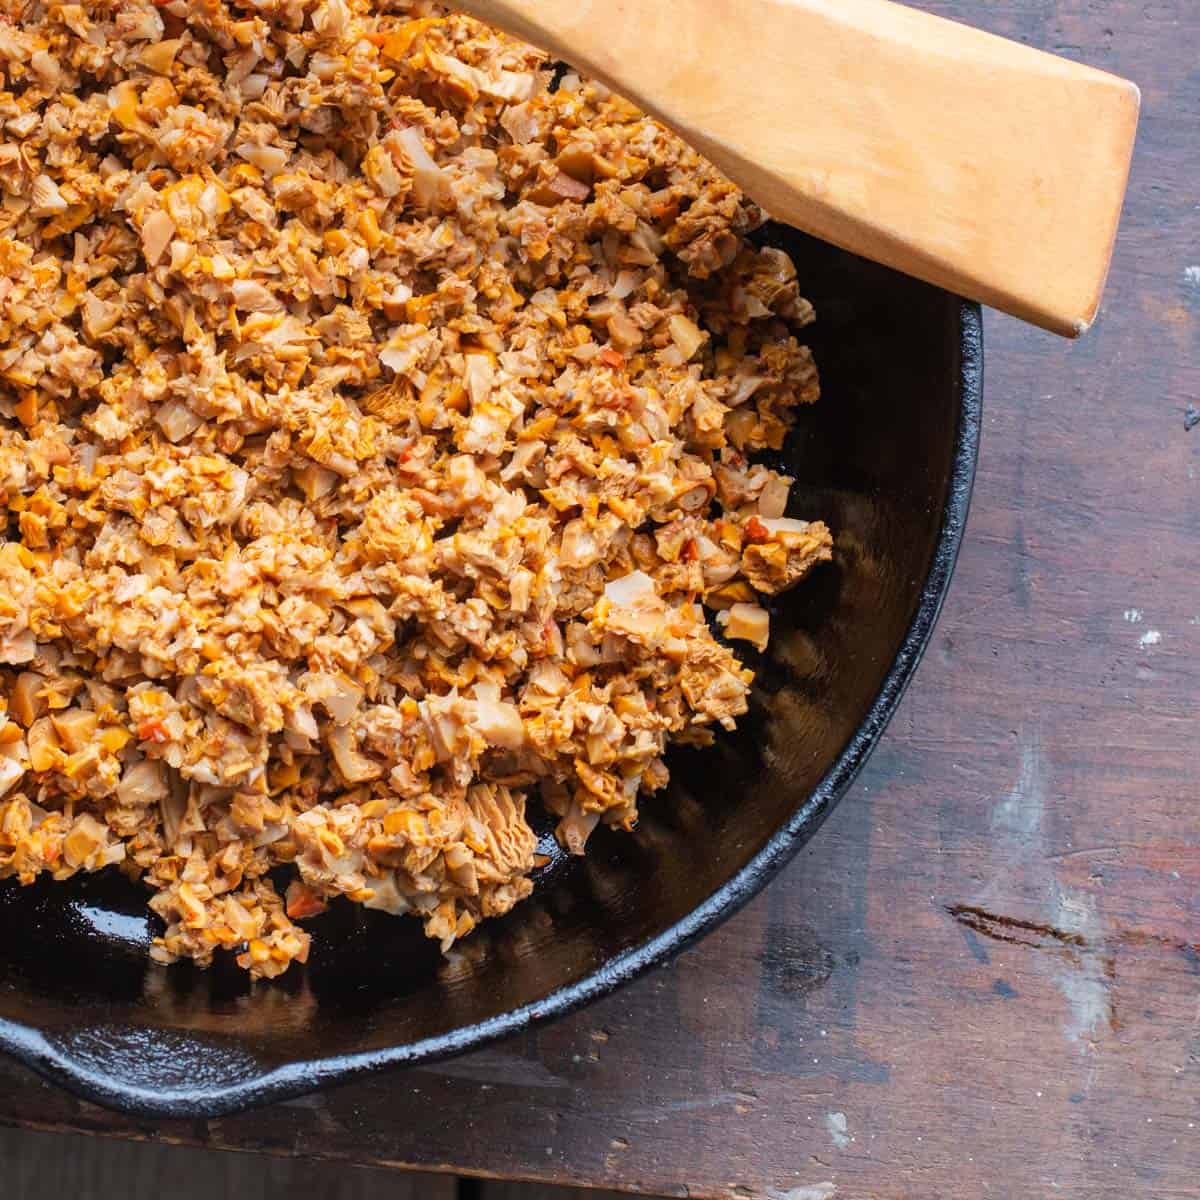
{"points": [[496, 1190], [55, 1166], [50, 1166], [983, 978]]}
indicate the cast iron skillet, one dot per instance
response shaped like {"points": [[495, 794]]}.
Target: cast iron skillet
{"points": [[888, 459]]}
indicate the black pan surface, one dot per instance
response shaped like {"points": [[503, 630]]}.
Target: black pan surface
{"points": [[887, 458]]}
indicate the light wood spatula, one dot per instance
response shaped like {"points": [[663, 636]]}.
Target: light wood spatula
{"points": [[975, 163]]}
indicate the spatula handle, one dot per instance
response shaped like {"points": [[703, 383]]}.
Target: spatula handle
{"points": [[978, 164]]}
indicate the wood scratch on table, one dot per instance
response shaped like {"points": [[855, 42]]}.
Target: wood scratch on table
{"points": [[1087, 955], [1088, 966], [1087, 852], [1017, 932]]}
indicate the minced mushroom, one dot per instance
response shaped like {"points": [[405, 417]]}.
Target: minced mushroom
{"points": [[380, 444]]}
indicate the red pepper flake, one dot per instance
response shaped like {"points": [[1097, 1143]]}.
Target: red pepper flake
{"points": [[611, 358], [756, 531], [152, 730]]}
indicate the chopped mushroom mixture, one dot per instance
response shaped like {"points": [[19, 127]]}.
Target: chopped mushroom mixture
{"points": [[377, 442]]}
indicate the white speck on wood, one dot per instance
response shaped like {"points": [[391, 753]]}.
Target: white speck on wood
{"points": [[839, 1134], [1191, 277], [1150, 638], [1133, 615]]}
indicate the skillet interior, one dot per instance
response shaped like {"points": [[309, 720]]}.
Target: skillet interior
{"points": [[887, 458]]}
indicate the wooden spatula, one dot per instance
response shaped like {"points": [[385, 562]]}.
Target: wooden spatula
{"points": [[975, 163]]}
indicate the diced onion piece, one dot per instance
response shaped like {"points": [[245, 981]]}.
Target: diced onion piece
{"points": [[239, 919], [563, 187], [10, 772], [578, 547], [626, 284], [355, 768], [44, 750], [480, 377], [626, 336], [748, 623], [98, 316], [339, 696], [772, 501], [314, 481], [215, 201], [270, 160], [143, 783], [18, 647], [648, 238], [26, 701], [75, 727], [386, 896], [746, 387], [500, 724], [159, 56], [157, 231], [298, 719], [395, 358], [251, 296], [629, 589], [254, 85], [686, 334], [176, 420], [783, 525], [46, 67], [512, 86], [86, 837], [343, 703], [395, 300]]}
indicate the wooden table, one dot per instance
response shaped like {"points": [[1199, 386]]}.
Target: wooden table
{"points": [[983, 978]]}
